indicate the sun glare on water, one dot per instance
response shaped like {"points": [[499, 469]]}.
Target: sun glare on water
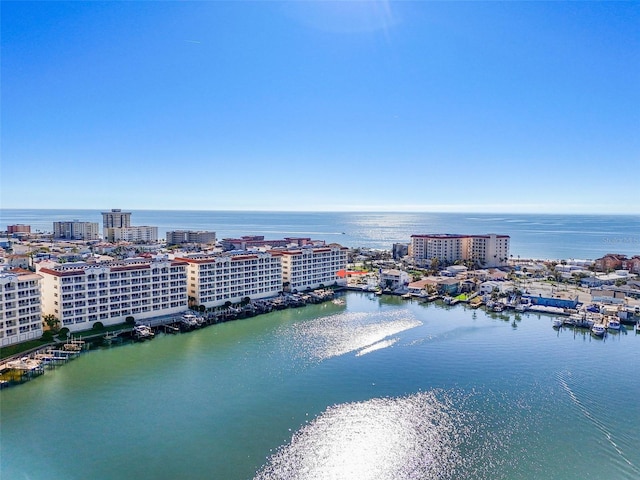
{"points": [[413, 437]]}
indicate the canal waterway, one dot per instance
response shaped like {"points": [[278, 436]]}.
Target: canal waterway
{"points": [[379, 388]]}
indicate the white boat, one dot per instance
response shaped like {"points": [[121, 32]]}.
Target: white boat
{"points": [[338, 301], [557, 322], [599, 330], [189, 320], [143, 331], [521, 307], [498, 307], [614, 324]]}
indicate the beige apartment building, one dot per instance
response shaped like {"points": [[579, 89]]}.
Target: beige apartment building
{"points": [[20, 314], [489, 250], [80, 294], [141, 234], [76, 230]]}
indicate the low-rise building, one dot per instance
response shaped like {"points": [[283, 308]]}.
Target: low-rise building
{"points": [[394, 279], [20, 313], [20, 228], [80, 294], [607, 295], [610, 261]]}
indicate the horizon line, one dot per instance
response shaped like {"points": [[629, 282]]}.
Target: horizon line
{"points": [[355, 210]]}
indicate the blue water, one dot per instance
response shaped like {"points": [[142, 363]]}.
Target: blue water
{"points": [[377, 389], [532, 235]]}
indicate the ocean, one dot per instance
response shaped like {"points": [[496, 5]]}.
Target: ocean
{"points": [[541, 236], [380, 388]]}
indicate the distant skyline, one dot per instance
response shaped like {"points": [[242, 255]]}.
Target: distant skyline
{"points": [[321, 106]]}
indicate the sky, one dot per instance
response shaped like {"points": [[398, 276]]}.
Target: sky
{"points": [[337, 106]]}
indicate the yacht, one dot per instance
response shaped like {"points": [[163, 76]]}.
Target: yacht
{"points": [[599, 330]]}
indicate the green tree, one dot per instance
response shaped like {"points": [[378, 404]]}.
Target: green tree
{"points": [[51, 322]]}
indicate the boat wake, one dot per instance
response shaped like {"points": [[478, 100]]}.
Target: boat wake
{"points": [[563, 379], [343, 333]]}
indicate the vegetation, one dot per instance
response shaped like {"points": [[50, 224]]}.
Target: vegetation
{"points": [[51, 322], [17, 348], [130, 320], [98, 326]]}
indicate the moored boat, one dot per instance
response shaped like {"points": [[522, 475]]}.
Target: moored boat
{"points": [[614, 324], [599, 330], [557, 322], [143, 332]]}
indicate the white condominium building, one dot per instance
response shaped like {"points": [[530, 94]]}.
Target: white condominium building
{"points": [[215, 279], [311, 267], [489, 250], [20, 315], [76, 230], [80, 294], [131, 234], [176, 237]]}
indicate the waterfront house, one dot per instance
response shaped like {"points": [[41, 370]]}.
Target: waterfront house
{"points": [[423, 287], [603, 295], [449, 286], [559, 301], [394, 279]]}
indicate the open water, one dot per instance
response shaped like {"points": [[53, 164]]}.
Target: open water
{"points": [[379, 388], [532, 235]]}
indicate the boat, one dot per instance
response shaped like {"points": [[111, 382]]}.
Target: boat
{"points": [[521, 307], [498, 307], [338, 301], [143, 332], [599, 330], [614, 324], [557, 322], [189, 320]]}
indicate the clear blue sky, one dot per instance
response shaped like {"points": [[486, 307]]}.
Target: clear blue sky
{"points": [[509, 107]]}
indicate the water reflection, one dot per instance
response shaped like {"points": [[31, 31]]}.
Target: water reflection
{"points": [[335, 335], [415, 437]]}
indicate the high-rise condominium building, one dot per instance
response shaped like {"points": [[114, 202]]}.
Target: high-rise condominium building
{"points": [[489, 250], [76, 230], [312, 267], [116, 218], [177, 237], [80, 294], [215, 279], [20, 315]]}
